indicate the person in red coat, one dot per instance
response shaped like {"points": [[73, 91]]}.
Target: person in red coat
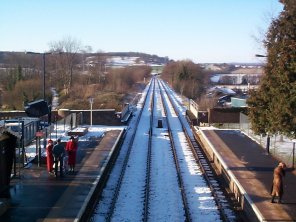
{"points": [[71, 148], [49, 156]]}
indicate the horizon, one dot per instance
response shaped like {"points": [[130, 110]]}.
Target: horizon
{"points": [[257, 63], [204, 32]]}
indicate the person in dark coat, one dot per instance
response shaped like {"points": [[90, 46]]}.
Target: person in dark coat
{"points": [[49, 156], [277, 185], [71, 148], [58, 152]]}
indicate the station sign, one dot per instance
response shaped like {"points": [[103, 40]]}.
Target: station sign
{"points": [[39, 134]]}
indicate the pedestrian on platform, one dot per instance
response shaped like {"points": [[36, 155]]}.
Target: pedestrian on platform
{"points": [[58, 152], [49, 156], [71, 148], [277, 189]]}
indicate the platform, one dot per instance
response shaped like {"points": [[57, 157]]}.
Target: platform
{"points": [[248, 168], [37, 196]]}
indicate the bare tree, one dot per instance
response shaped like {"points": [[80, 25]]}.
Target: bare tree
{"points": [[67, 50], [98, 68]]}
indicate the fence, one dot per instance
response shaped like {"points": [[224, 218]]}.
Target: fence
{"points": [[70, 121], [280, 147], [67, 123]]}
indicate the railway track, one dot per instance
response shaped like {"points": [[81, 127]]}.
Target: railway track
{"points": [[177, 165], [220, 198], [112, 207], [151, 179]]}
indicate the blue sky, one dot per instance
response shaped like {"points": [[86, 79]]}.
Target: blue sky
{"points": [[200, 30]]}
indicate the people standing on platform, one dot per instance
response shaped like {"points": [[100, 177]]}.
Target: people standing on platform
{"points": [[58, 152], [49, 156], [277, 184], [71, 148]]}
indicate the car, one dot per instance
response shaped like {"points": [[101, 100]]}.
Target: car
{"points": [[224, 99]]}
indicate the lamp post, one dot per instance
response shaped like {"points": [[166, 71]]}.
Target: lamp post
{"points": [[259, 55], [43, 58], [43, 92], [268, 136], [43, 61], [91, 101]]}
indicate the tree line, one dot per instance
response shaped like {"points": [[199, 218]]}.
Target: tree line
{"points": [[272, 108], [186, 77], [21, 81]]}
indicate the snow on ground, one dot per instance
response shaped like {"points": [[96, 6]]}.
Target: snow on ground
{"points": [[165, 202], [129, 205], [201, 202], [60, 131], [102, 209], [200, 196], [164, 181], [125, 61], [223, 90], [280, 147]]}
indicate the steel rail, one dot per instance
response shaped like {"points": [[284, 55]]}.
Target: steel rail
{"points": [[179, 175], [205, 166], [148, 163], [119, 182]]}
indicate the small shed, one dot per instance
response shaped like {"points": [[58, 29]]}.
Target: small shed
{"points": [[7, 155]]}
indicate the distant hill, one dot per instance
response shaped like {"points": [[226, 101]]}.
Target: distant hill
{"points": [[146, 58], [7, 57], [240, 68]]}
